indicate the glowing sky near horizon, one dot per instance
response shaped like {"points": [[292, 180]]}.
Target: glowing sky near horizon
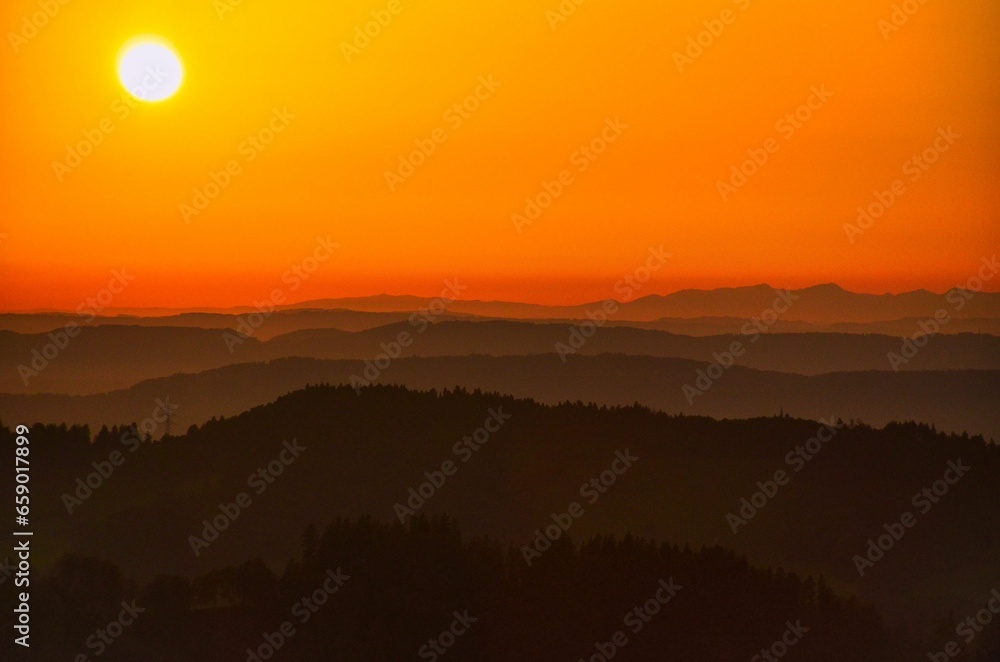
{"points": [[297, 133]]}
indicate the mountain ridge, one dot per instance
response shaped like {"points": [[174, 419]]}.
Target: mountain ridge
{"points": [[848, 306]]}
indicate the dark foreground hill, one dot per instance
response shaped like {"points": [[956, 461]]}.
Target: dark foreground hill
{"points": [[363, 591], [955, 401], [513, 470]]}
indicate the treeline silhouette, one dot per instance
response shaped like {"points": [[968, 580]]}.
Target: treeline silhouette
{"points": [[363, 452], [954, 400], [403, 585]]}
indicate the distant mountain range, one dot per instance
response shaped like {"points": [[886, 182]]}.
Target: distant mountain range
{"points": [[820, 304], [287, 321], [823, 304], [278, 323], [105, 358]]}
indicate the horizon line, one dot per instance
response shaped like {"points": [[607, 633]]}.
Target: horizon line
{"points": [[303, 304]]}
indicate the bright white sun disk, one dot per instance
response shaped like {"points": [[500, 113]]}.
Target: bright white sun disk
{"points": [[149, 69]]}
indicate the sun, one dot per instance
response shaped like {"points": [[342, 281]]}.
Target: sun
{"points": [[149, 68]]}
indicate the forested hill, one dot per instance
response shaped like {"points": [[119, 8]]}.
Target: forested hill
{"points": [[362, 591], [362, 454], [954, 400]]}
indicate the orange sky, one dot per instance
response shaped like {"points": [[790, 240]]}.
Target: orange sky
{"points": [[656, 184]]}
